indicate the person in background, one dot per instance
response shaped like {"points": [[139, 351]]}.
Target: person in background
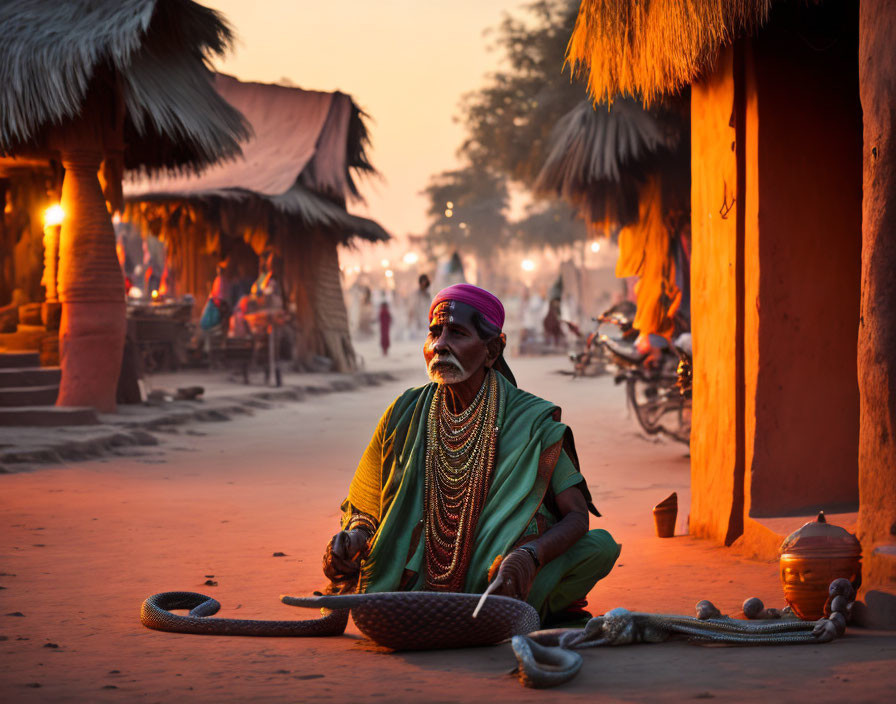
{"points": [[222, 286], [420, 305], [385, 324], [217, 309], [266, 289], [553, 330], [365, 316]]}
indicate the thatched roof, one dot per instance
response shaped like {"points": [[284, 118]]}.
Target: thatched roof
{"points": [[301, 158], [596, 157], [644, 49], [53, 53], [246, 209]]}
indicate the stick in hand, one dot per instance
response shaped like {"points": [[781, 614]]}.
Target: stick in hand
{"points": [[491, 587]]}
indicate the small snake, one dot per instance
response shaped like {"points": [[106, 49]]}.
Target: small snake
{"points": [[156, 613], [543, 666]]}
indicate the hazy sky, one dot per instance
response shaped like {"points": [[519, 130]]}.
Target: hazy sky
{"points": [[405, 62]]}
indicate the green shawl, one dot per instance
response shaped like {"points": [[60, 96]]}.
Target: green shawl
{"points": [[395, 497]]}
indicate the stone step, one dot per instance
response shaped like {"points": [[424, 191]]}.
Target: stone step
{"points": [[27, 338], [29, 396], [48, 416], [29, 376], [17, 360]]}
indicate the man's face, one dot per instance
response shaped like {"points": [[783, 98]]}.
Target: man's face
{"points": [[453, 349]]}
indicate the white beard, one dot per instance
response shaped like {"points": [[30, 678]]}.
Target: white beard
{"points": [[446, 369]]}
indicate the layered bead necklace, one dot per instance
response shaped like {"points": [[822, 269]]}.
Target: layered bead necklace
{"points": [[460, 458]]}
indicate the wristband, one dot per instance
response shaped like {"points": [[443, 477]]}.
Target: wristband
{"points": [[533, 552]]}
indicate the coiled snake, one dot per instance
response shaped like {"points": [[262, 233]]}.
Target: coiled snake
{"points": [[399, 620]]}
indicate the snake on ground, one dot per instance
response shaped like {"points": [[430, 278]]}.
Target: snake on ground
{"points": [[431, 620]]}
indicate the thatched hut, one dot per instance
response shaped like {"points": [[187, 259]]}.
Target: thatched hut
{"points": [[90, 88], [793, 160], [287, 192], [626, 168]]}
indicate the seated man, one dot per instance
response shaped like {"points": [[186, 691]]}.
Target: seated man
{"points": [[469, 479]]}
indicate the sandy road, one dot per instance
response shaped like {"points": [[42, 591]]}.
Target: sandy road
{"points": [[82, 545]]}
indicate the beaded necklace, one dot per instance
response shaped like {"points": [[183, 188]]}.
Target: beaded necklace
{"points": [[460, 457]]}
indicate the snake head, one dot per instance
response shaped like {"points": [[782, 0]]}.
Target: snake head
{"points": [[825, 630], [618, 627], [592, 634]]}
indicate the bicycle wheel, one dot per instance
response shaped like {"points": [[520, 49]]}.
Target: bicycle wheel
{"points": [[645, 402], [659, 409]]}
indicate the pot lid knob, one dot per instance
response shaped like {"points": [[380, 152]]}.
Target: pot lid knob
{"points": [[820, 539]]}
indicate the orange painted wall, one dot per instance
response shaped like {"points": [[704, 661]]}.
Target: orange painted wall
{"points": [[717, 499], [775, 285], [802, 269]]}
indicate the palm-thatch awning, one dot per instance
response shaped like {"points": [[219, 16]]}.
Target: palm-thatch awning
{"points": [[301, 158], [52, 54], [596, 155], [644, 49]]}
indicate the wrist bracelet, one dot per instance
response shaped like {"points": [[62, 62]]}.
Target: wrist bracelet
{"points": [[533, 552]]}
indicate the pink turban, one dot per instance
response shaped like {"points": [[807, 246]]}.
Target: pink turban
{"points": [[480, 299]]}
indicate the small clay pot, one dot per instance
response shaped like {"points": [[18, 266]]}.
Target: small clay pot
{"points": [[664, 515], [813, 557]]}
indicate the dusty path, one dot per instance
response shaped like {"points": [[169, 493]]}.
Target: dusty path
{"points": [[82, 545]]}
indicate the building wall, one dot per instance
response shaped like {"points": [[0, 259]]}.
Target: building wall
{"points": [[329, 304], [716, 479], [877, 333], [776, 128], [802, 267], [311, 272]]}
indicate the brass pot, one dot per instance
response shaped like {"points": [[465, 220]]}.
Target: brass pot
{"points": [[813, 557]]}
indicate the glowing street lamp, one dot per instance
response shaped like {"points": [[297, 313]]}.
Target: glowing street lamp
{"points": [[385, 263], [448, 212], [54, 215], [410, 258], [528, 265], [389, 273], [595, 246]]}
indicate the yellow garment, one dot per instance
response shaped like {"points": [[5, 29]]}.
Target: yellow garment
{"points": [[365, 493]]}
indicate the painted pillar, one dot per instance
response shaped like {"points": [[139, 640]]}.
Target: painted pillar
{"points": [[716, 476], [91, 285], [877, 325]]}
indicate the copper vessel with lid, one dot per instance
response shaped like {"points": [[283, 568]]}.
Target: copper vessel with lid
{"points": [[813, 557]]}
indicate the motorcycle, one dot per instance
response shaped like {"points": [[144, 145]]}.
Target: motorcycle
{"points": [[615, 322], [657, 383]]}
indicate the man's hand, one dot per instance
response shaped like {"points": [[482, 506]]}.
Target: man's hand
{"points": [[343, 555], [515, 575]]}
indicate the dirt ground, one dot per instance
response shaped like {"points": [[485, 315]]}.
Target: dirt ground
{"points": [[82, 545]]}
